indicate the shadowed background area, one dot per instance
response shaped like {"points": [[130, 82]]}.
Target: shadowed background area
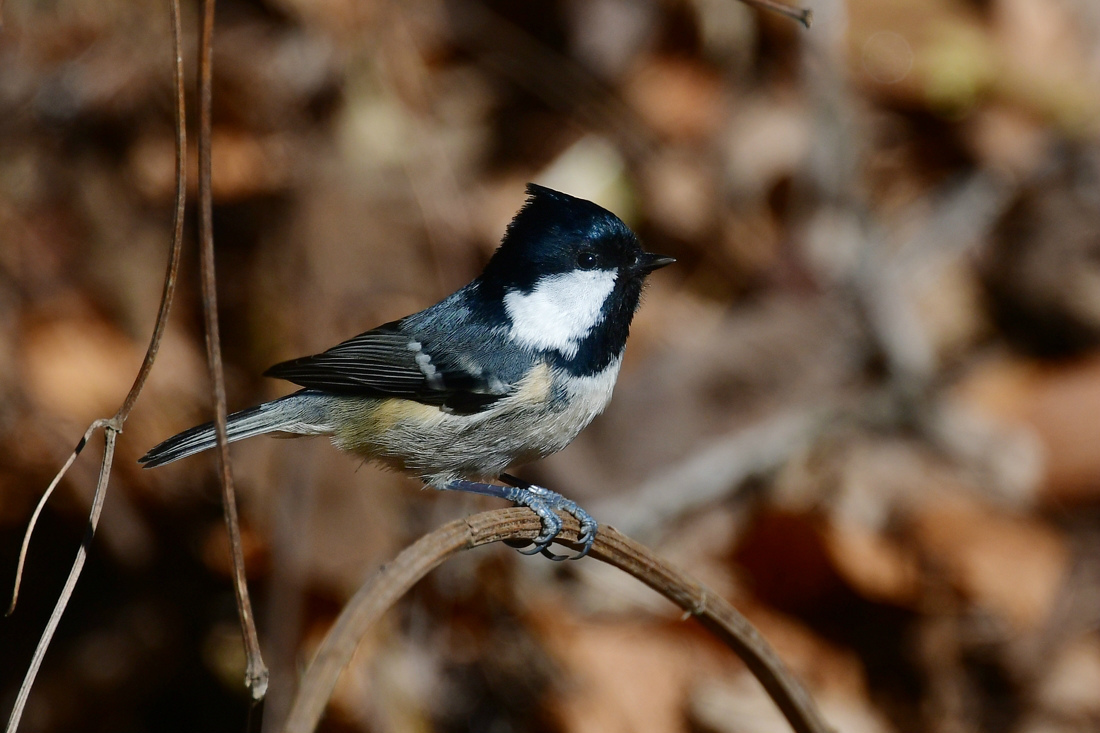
{"points": [[862, 406]]}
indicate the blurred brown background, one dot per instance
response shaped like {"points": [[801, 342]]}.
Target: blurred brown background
{"points": [[864, 405]]}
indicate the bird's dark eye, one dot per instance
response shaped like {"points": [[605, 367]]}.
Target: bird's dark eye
{"points": [[587, 260]]}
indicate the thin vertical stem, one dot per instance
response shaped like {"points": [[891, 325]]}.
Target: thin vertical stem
{"points": [[256, 675], [169, 290]]}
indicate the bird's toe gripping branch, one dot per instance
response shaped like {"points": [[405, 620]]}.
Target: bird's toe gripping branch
{"points": [[542, 502]]}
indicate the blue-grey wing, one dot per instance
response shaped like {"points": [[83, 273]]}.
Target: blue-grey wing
{"points": [[389, 361]]}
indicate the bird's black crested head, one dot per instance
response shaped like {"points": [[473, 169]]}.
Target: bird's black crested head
{"points": [[566, 280], [556, 233]]}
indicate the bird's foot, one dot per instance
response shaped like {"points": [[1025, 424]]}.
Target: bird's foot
{"points": [[551, 501], [544, 503]]}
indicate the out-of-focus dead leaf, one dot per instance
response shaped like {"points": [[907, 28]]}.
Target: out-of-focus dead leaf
{"points": [[1044, 59], [630, 676], [683, 193], [1068, 690], [765, 142], [215, 550], [786, 555], [826, 558], [917, 51], [740, 706], [876, 567], [680, 99], [78, 369], [1011, 566], [949, 304], [827, 669], [1008, 139], [242, 165], [1060, 403]]}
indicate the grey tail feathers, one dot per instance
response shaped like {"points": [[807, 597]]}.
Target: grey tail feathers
{"points": [[302, 413]]}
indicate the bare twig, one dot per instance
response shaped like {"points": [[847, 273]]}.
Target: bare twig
{"points": [[805, 16], [169, 291], [38, 510], [113, 426], [111, 432], [395, 579], [256, 675]]}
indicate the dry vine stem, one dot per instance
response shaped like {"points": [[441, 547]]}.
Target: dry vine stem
{"points": [[395, 579], [256, 674], [112, 426], [805, 16]]}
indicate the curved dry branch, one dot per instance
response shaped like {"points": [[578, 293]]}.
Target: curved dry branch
{"points": [[384, 589], [805, 16], [21, 562]]}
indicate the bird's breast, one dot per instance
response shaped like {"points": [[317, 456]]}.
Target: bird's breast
{"points": [[574, 403]]}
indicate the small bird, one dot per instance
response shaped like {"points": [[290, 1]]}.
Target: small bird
{"points": [[507, 370]]}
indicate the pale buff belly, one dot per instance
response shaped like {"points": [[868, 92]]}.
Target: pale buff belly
{"points": [[543, 415]]}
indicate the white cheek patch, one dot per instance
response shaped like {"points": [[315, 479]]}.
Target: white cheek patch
{"points": [[561, 310]]}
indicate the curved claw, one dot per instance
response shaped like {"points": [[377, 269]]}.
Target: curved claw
{"points": [[587, 535], [559, 558], [586, 538], [539, 546], [551, 523]]}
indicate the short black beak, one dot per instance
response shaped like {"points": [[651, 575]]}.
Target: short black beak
{"points": [[649, 262]]}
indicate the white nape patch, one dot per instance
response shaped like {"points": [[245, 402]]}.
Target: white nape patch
{"points": [[561, 309]]}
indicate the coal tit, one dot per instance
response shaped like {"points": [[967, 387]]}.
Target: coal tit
{"points": [[507, 370]]}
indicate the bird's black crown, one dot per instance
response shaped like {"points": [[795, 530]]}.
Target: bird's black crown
{"points": [[554, 233]]}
